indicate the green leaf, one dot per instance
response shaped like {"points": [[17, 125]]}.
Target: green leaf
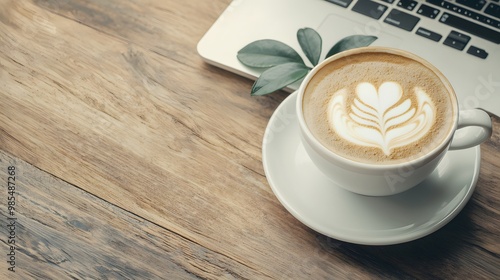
{"points": [[278, 77], [267, 53], [310, 42], [351, 42]]}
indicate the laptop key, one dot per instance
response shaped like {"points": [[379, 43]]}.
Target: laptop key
{"points": [[493, 10], [456, 40], [407, 4], [369, 8], [341, 3], [471, 27], [428, 11], [474, 4], [401, 19], [459, 37], [475, 51], [426, 33], [389, 1]]}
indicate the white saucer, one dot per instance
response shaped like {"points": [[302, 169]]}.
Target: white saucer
{"points": [[330, 210]]}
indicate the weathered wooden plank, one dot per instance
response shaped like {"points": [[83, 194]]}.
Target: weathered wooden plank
{"points": [[63, 232], [169, 28]]}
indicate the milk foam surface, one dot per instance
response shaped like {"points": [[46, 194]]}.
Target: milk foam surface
{"points": [[381, 118], [378, 107]]}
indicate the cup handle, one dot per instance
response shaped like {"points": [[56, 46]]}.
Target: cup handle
{"points": [[481, 129]]}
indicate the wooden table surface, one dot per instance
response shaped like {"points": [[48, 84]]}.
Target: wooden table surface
{"points": [[134, 159]]}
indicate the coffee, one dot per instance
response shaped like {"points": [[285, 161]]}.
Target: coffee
{"points": [[379, 107]]}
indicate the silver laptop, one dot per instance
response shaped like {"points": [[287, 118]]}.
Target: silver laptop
{"points": [[460, 37]]}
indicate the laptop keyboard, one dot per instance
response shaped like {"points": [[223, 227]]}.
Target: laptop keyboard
{"points": [[479, 18]]}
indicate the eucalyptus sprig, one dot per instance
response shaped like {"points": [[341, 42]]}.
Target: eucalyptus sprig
{"points": [[283, 65]]}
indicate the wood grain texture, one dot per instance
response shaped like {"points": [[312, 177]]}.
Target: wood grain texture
{"points": [[111, 97], [64, 232]]}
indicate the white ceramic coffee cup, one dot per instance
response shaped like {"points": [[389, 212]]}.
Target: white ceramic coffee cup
{"points": [[388, 179]]}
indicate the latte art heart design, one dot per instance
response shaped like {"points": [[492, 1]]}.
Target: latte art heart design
{"points": [[381, 118]]}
